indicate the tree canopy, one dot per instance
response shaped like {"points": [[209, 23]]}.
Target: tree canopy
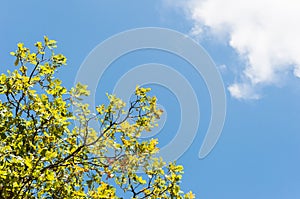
{"points": [[49, 150]]}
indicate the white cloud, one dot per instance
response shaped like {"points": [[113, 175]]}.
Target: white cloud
{"points": [[265, 33], [243, 91]]}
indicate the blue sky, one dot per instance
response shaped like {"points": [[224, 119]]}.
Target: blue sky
{"points": [[258, 153]]}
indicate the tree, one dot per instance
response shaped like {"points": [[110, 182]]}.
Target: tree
{"points": [[49, 151]]}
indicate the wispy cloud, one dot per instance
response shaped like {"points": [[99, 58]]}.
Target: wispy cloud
{"points": [[265, 33]]}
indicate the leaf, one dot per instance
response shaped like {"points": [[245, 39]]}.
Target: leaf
{"points": [[16, 62], [50, 176], [27, 162]]}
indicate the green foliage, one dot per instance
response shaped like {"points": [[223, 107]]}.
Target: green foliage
{"points": [[49, 151]]}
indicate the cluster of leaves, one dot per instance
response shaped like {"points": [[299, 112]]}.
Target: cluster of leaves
{"points": [[49, 151]]}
